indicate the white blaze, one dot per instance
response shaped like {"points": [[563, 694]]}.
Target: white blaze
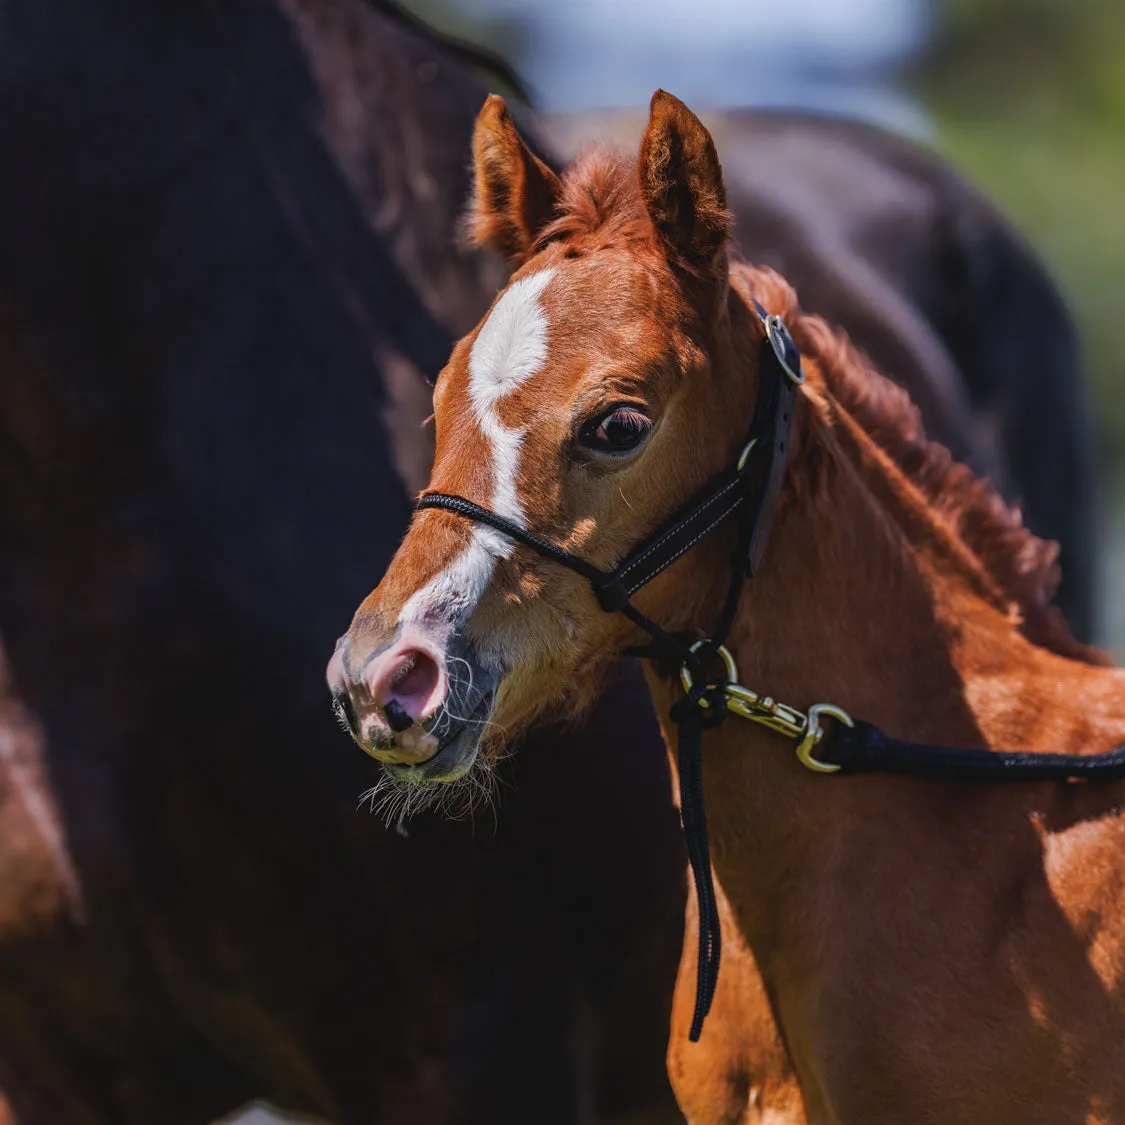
{"points": [[510, 347]]}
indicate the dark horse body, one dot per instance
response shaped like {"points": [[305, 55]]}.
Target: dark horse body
{"points": [[225, 268]]}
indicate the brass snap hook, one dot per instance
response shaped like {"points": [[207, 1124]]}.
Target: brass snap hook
{"points": [[815, 732]]}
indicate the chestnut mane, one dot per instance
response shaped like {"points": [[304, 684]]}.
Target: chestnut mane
{"points": [[1022, 568], [601, 198]]}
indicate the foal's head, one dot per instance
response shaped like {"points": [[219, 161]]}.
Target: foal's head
{"points": [[611, 379]]}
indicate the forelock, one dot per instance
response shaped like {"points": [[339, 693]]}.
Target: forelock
{"points": [[600, 198]]}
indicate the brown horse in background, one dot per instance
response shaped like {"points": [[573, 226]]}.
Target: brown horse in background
{"points": [[213, 356], [931, 950], [228, 263]]}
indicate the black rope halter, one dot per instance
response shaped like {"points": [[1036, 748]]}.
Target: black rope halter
{"points": [[751, 490]]}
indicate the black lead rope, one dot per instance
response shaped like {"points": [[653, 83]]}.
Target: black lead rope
{"points": [[864, 748], [691, 720], [751, 490]]}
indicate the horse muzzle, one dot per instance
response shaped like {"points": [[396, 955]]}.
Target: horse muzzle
{"points": [[414, 703]]}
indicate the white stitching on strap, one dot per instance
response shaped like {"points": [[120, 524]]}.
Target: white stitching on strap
{"points": [[648, 551], [688, 546]]}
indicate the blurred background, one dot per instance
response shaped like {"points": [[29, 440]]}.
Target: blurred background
{"points": [[1026, 97]]}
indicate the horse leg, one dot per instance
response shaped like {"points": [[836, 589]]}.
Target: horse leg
{"points": [[740, 1072]]}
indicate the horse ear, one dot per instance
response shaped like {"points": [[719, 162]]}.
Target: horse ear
{"points": [[514, 192], [682, 182]]}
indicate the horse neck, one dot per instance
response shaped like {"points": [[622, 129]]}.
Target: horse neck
{"points": [[867, 602]]}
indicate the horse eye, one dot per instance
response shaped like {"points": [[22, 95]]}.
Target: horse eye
{"points": [[617, 432]]}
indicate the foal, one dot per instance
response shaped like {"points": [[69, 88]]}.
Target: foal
{"points": [[932, 950]]}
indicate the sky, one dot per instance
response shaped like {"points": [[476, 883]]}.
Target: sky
{"points": [[830, 55]]}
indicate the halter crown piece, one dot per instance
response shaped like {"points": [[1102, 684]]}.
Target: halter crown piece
{"points": [[751, 490]]}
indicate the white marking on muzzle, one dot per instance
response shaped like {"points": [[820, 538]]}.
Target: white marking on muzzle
{"points": [[510, 347]]}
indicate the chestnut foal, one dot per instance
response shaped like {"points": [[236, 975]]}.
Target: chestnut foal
{"points": [[932, 949]]}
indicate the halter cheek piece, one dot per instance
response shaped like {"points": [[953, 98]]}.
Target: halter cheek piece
{"points": [[751, 490]]}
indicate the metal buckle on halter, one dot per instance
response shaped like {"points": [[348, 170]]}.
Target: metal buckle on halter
{"points": [[782, 344], [767, 712], [784, 348]]}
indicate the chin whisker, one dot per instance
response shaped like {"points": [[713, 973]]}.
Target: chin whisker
{"points": [[395, 801]]}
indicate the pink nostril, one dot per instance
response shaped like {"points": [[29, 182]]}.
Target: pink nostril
{"points": [[407, 683], [416, 675]]}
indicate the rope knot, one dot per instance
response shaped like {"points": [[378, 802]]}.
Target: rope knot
{"points": [[705, 706]]}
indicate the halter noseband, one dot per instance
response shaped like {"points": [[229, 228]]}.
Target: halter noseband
{"points": [[752, 488]]}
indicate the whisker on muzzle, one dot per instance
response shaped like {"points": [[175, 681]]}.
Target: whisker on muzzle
{"points": [[395, 801]]}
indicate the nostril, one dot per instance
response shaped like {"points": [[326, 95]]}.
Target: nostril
{"points": [[408, 686], [416, 675]]}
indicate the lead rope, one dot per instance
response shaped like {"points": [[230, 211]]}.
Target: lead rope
{"points": [[691, 719], [702, 707]]}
